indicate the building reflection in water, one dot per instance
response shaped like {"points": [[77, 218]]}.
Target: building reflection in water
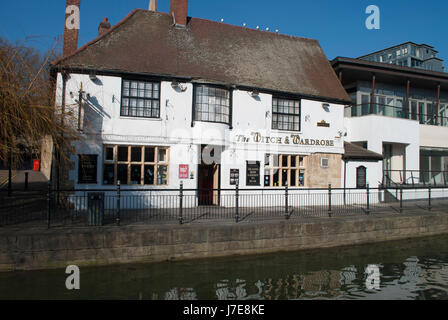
{"points": [[181, 294], [347, 282]]}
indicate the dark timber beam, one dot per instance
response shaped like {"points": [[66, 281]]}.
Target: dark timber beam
{"points": [[437, 103], [372, 94]]}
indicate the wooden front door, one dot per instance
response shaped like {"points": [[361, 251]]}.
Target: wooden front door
{"points": [[206, 184]]}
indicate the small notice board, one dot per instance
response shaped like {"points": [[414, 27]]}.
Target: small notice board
{"points": [[234, 177], [184, 171]]}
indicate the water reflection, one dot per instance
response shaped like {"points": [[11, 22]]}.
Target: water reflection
{"points": [[348, 283], [411, 269]]}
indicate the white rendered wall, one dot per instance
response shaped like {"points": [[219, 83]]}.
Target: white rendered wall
{"points": [[377, 130], [433, 136], [174, 130], [374, 173]]}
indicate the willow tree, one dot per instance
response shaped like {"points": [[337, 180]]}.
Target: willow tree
{"points": [[27, 104]]}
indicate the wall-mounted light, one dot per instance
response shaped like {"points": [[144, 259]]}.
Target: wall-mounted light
{"points": [[93, 77], [254, 94], [178, 86], [326, 107]]}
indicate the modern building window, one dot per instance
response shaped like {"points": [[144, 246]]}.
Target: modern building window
{"points": [[430, 113], [284, 170], [212, 104], [285, 114], [365, 104], [140, 99], [135, 165], [414, 110]]}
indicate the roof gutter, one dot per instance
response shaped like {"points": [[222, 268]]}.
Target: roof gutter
{"points": [[166, 77]]}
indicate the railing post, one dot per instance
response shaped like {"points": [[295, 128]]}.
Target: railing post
{"points": [[118, 202], [330, 213], [429, 198], [368, 199], [286, 203], [181, 199], [49, 205], [401, 198], [26, 181], [237, 217]]}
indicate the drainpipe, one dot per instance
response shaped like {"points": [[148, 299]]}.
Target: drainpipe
{"points": [[58, 156]]}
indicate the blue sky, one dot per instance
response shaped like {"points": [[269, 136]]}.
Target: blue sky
{"points": [[339, 25]]}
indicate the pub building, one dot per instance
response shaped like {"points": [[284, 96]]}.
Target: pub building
{"points": [[166, 99]]}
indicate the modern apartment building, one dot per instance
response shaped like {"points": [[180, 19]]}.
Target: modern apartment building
{"points": [[399, 111], [408, 54]]}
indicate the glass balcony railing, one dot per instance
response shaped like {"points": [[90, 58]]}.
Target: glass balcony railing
{"points": [[415, 178], [397, 112]]}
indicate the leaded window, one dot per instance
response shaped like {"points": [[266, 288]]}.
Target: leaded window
{"points": [[140, 99], [212, 104], [285, 114]]}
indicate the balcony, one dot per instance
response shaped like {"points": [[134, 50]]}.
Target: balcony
{"points": [[416, 114]]}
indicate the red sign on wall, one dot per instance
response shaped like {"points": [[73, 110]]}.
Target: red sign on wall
{"points": [[183, 171]]}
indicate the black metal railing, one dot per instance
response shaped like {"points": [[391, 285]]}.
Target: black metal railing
{"points": [[415, 178], [120, 206], [365, 109]]}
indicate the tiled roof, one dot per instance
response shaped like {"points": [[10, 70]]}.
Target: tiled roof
{"points": [[146, 42], [354, 152]]}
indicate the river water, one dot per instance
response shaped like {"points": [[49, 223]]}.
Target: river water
{"points": [[410, 269]]}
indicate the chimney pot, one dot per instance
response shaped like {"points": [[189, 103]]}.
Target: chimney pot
{"points": [[103, 27], [179, 9], [153, 5]]}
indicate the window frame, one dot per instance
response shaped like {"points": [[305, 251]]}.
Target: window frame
{"points": [[299, 115], [322, 162], [142, 163], [146, 80], [193, 115]]}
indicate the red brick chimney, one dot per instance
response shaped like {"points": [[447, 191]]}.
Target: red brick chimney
{"points": [[104, 27], [71, 28], [179, 8]]}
